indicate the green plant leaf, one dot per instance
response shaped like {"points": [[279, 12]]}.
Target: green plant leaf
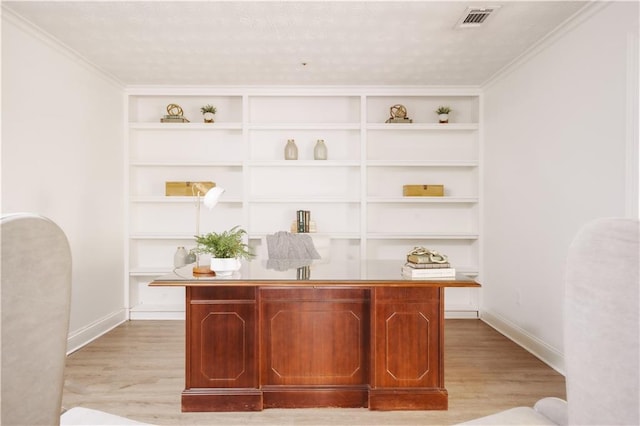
{"points": [[226, 244]]}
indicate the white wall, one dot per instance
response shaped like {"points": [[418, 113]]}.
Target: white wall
{"points": [[554, 158], [557, 133], [62, 157]]}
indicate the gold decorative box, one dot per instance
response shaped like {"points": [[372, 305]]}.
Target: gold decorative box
{"points": [[185, 189], [423, 190]]}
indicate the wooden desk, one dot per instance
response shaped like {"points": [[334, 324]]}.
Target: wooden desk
{"points": [[330, 335]]}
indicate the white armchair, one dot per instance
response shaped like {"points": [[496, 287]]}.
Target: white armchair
{"points": [[36, 297], [601, 331]]}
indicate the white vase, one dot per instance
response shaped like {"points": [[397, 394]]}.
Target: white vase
{"points": [[443, 118], [320, 150], [180, 258], [291, 150], [208, 117], [224, 267]]}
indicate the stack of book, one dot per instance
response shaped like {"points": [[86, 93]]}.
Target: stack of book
{"points": [[421, 267], [303, 219], [303, 273], [174, 119]]}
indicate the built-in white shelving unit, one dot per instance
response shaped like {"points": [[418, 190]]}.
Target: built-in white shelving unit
{"points": [[355, 196]]}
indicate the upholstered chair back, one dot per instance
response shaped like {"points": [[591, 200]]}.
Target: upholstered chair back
{"points": [[36, 292], [602, 324]]}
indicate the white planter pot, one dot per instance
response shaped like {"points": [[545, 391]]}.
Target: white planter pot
{"points": [[208, 117], [224, 267], [444, 118]]}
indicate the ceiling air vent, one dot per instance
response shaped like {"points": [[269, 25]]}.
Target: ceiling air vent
{"points": [[475, 16]]}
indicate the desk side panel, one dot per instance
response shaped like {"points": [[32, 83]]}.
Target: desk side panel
{"points": [[221, 349], [407, 349]]}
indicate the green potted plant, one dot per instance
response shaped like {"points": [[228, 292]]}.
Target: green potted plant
{"points": [[208, 111], [443, 114], [226, 249]]}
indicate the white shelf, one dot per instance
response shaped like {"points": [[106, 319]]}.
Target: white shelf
{"points": [[420, 200], [360, 184], [135, 163], [162, 237], [303, 163], [177, 200], [311, 199], [422, 126], [414, 163], [332, 235], [304, 126], [421, 236], [185, 126]]}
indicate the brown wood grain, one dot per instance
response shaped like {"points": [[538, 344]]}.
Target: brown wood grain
{"points": [[307, 346]]}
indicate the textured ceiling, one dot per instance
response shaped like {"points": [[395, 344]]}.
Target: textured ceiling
{"points": [[267, 42]]}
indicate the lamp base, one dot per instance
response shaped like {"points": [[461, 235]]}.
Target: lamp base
{"points": [[203, 270]]}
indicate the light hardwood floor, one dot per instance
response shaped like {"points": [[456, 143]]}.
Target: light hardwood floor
{"points": [[137, 371]]}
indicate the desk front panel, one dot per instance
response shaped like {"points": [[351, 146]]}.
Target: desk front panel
{"points": [[314, 336]]}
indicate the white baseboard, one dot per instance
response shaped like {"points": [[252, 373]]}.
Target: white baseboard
{"points": [[157, 312], [547, 354], [156, 315], [82, 337], [461, 314]]}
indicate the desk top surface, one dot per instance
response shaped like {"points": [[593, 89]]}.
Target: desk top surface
{"points": [[312, 273]]}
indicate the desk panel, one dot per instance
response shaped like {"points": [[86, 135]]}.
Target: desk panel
{"points": [[315, 336]]}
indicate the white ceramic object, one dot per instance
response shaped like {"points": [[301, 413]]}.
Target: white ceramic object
{"points": [[180, 258], [291, 150], [320, 150], [224, 267]]}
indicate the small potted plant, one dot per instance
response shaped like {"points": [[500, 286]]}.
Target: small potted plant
{"points": [[226, 249], [208, 111], [443, 114]]}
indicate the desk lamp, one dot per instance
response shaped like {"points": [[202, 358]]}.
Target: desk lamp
{"points": [[211, 198]]}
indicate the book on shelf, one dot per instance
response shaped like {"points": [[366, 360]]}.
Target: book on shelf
{"points": [[428, 265], [303, 273], [428, 273], [174, 119], [450, 278], [171, 119], [303, 218], [294, 226]]}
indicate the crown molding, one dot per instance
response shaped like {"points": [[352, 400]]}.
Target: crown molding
{"points": [[318, 90], [562, 30], [26, 26]]}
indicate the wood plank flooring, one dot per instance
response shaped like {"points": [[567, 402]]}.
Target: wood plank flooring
{"points": [[137, 371]]}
